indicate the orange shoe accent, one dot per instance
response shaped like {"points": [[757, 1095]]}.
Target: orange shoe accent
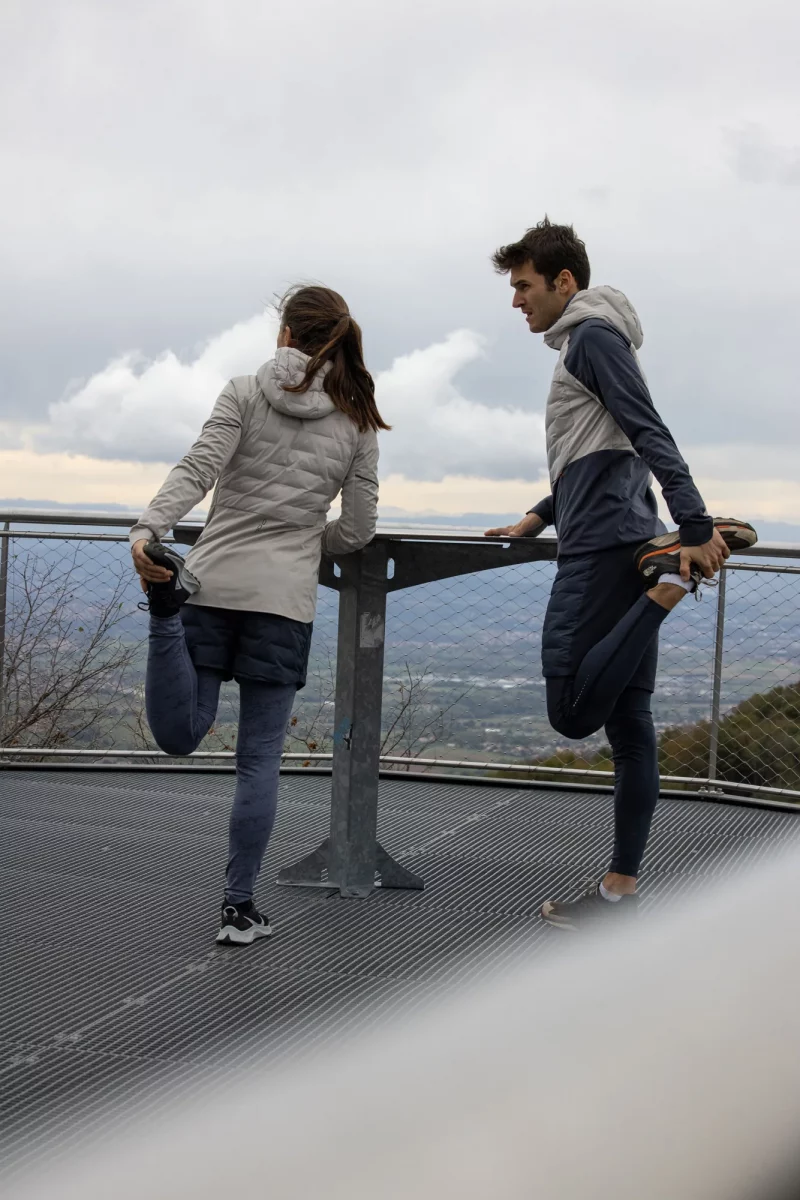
{"points": [[661, 550]]}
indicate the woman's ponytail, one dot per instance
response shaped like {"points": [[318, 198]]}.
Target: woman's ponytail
{"points": [[322, 327]]}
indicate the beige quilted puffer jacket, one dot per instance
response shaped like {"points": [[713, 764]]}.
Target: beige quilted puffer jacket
{"points": [[278, 459]]}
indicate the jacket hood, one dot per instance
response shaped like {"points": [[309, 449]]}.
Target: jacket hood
{"points": [[287, 368], [605, 303]]}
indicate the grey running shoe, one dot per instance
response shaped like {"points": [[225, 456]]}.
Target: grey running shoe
{"points": [[662, 555], [589, 911]]}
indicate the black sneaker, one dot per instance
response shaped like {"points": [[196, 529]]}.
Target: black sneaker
{"points": [[167, 599], [589, 911], [242, 924]]}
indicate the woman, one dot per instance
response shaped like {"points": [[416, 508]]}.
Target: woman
{"points": [[280, 446]]}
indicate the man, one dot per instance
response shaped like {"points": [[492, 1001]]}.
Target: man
{"points": [[600, 637]]}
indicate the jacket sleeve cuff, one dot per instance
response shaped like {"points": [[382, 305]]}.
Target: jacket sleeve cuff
{"points": [[141, 531], [543, 510], [697, 532]]}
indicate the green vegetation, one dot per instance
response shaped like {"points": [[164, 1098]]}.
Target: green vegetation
{"points": [[759, 744]]}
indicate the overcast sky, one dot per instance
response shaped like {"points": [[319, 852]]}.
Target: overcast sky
{"points": [[169, 166]]}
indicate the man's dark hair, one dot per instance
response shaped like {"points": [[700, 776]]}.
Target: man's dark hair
{"points": [[551, 248]]}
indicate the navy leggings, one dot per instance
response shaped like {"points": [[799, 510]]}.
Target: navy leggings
{"points": [[604, 692], [182, 705]]}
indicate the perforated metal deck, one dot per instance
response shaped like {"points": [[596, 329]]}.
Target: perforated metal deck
{"points": [[113, 993]]}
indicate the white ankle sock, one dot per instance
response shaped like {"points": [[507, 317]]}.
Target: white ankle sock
{"points": [[688, 586], [612, 896]]}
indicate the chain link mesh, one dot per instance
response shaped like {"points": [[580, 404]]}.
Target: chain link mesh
{"points": [[759, 731], [71, 646], [462, 678], [472, 647]]}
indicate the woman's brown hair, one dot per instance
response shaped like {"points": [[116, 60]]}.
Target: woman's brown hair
{"points": [[321, 326]]}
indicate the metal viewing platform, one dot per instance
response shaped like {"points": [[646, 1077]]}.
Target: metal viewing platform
{"points": [[114, 998], [417, 846]]}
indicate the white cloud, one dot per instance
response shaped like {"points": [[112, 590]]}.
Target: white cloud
{"points": [[438, 432], [151, 411], [115, 434]]}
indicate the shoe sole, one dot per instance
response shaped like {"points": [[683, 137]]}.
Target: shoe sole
{"points": [[557, 922], [567, 926], [229, 935], [738, 535]]}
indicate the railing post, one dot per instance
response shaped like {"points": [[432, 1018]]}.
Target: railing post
{"points": [[719, 641], [357, 720], [4, 541], [351, 855]]}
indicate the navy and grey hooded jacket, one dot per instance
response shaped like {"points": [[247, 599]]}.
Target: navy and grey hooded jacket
{"points": [[604, 436]]}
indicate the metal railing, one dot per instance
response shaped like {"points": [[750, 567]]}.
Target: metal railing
{"points": [[461, 670], [425, 658]]}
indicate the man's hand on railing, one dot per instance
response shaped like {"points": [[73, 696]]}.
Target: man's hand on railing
{"points": [[147, 570], [709, 557], [529, 526]]}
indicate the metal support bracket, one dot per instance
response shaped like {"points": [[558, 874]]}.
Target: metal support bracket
{"points": [[426, 562], [313, 871]]}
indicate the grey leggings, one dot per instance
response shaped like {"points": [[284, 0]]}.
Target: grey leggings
{"points": [[181, 707]]}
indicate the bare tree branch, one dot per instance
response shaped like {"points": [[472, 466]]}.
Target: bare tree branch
{"points": [[311, 728], [66, 663], [413, 718]]}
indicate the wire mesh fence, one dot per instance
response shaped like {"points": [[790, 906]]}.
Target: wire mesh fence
{"points": [[70, 648], [474, 646], [759, 729], [462, 676]]}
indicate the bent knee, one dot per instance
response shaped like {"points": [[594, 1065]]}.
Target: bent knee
{"points": [[176, 746], [561, 710], [574, 728]]}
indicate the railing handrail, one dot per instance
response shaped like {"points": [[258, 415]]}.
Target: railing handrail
{"points": [[386, 529], [37, 519], [43, 516], [9, 753]]}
